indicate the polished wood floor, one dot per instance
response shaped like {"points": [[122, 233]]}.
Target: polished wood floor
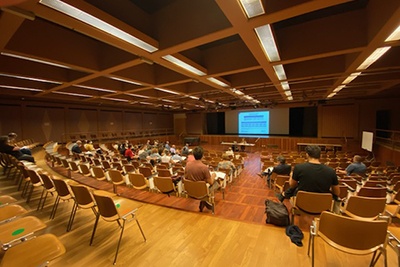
{"points": [[181, 236]]}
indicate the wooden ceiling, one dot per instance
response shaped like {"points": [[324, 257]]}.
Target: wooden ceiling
{"points": [[320, 43]]}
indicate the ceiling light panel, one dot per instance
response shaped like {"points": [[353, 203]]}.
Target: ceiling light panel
{"points": [[124, 80], [351, 77], [216, 81], [267, 40], [97, 23], [95, 88], [373, 57], [252, 8], [29, 78], [394, 36], [21, 88], [71, 94], [167, 91], [35, 60], [183, 65], [280, 72]]}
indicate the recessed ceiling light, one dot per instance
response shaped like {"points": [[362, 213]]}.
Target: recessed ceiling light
{"points": [[95, 88], [373, 57], [184, 65], [267, 40], [98, 23], [167, 91], [35, 60], [21, 88], [252, 8], [216, 81], [71, 94]]}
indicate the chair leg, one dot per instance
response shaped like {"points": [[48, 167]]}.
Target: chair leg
{"points": [[119, 241], [41, 198], [312, 252], [94, 229], [53, 211], [141, 230], [72, 216], [44, 200], [30, 194]]}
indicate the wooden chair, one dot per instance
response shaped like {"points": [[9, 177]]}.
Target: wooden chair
{"points": [[279, 182], [372, 192], [83, 199], [394, 209], [119, 210], [73, 166], [350, 235], [63, 194], [311, 203], [116, 179], [146, 171], [10, 236], [45, 247], [6, 199], [165, 185], [128, 168], [138, 181], [48, 188], [98, 173], [35, 182], [164, 173], [364, 208], [10, 212], [199, 190], [84, 169]]}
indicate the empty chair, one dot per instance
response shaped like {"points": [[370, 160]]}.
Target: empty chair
{"points": [[280, 181], [164, 173], [364, 208], [146, 171], [350, 235], [63, 193], [372, 192], [35, 252], [5, 199], [119, 210], [394, 241], [10, 212], [311, 203], [73, 166], [138, 181], [116, 179], [10, 237], [35, 182], [83, 199], [98, 173], [48, 188], [84, 169], [165, 185], [199, 190], [375, 184]]}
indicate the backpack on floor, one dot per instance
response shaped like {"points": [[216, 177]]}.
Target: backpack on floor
{"points": [[277, 213]]}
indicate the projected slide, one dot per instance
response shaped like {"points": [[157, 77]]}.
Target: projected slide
{"points": [[253, 122]]}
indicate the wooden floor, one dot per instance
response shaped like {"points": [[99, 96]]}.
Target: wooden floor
{"points": [[181, 236]]}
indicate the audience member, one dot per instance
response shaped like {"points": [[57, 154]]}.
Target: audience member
{"points": [[15, 151], [166, 146], [166, 156], [229, 152], [12, 140], [155, 155], [198, 171], [129, 155], [226, 164], [176, 157], [185, 150], [172, 149], [190, 156], [281, 169], [356, 167], [312, 176], [76, 148]]}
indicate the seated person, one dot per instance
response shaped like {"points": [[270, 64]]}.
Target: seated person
{"points": [[129, 155], [176, 157], [154, 155], [356, 167], [312, 176], [281, 169], [14, 151], [12, 139], [190, 156], [76, 148], [172, 149], [166, 156], [229, 152], [185, 150], [226, 164]]}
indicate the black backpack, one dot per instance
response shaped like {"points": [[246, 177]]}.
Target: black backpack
{"points": [[277, 213]]}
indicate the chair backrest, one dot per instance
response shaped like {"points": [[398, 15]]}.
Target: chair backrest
{"points": [[83, 197], [35, 178], [65, 163], [365, 208], [98, 172], [138, 180], [47, 182], [164, 184], [164, 173], [106, 206], [135, 163], [352, 235], [129, 168], [115, 176], [145, 171], [84, 169], [196, 189], [313, 203], [62, 188], [372, 192], [375, 183], [73, 166]]}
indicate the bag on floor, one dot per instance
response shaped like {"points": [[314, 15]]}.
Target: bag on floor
{"points": [[277, 213]]}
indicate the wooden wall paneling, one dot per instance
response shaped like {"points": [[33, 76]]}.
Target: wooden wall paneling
{"points": [[81, 122], [194, 125], [110, 121], [133, 121], [339, 121], [12, 123], [44, 123]]}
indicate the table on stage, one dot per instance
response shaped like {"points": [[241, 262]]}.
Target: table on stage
{"points": [[335, 147], [235, 145]]}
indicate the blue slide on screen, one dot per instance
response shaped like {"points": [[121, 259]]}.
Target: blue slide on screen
{"points": [[254, 122]]}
